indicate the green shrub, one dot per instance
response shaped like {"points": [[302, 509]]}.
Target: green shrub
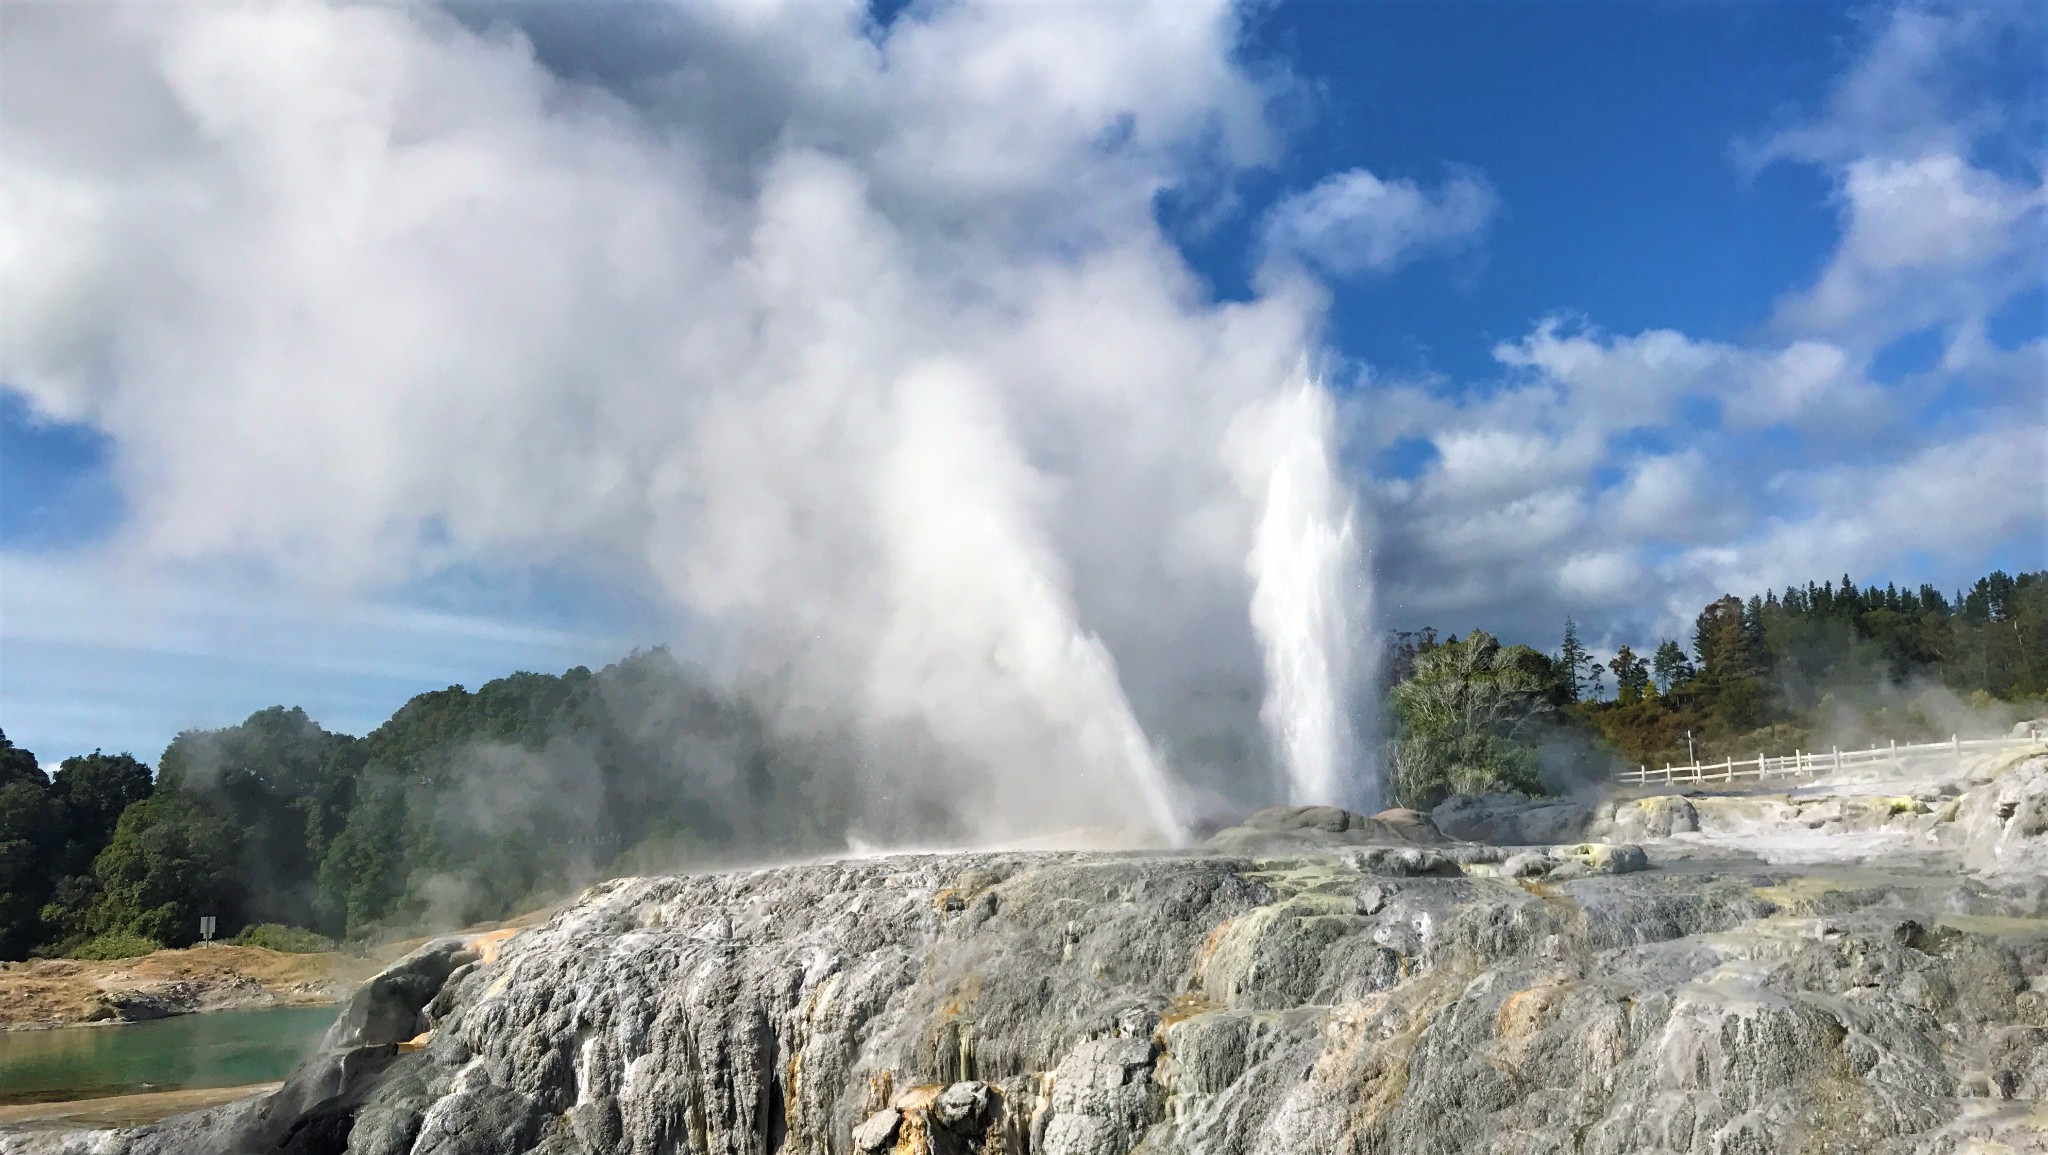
{"points": [[1463, 711], [1430, 767], [116, 944], [285, 939]]}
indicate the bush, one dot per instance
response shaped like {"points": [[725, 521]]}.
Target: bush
{"points": [[283, 939], [114, 945], [1463, 710], [1429, 767]]}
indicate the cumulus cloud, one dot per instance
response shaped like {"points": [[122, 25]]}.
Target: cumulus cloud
{"points": [[1612, 383], [1904, 94], [1928, 239], [1354, 222], [1628, 478], [859, 342], [1947, 498], [1933, 233]]}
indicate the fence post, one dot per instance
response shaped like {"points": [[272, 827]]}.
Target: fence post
{"points": [[1955, 747], [1838, 759]]}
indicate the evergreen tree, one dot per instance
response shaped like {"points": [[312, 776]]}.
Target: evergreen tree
{"points": [[1670, 665], [1719, 640], [1631, 675], [1755, 650], [1594, 678], [287, 785], [1571, 659]]}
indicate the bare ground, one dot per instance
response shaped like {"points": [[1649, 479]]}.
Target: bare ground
{"points": [[68, 992], [121, 1110]]}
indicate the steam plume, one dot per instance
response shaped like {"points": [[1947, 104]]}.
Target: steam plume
{"points": [[1308, 600], [859, 347]]}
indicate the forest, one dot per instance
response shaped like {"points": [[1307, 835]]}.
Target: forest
{"points": [[1827, 664], [463, 806], [471, 805]]}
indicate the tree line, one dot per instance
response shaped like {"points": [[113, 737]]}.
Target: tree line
{"points": [[1768, 674], [462, 806], [470, 805]]}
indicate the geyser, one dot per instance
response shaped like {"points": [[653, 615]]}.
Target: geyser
{"points": [[1309, 600]]}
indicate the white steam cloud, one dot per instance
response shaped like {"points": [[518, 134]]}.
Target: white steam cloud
{"points": [[860, 343]]}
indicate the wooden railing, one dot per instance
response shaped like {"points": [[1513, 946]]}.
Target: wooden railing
{"points": [[1803, 763]]}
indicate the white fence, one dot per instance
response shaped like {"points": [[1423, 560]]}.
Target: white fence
{"points": [[1803, 763]]}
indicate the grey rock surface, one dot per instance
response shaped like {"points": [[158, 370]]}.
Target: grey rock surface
{"points": [[1278, 829], [1611, 989]]}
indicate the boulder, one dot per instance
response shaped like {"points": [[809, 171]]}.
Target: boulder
{"points": [[388, 1008], [962, 1108], [878, 1132], [1602, 857], [1407, 826]]}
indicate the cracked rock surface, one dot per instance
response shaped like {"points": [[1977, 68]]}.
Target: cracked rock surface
{"points": [[1637, 978]]}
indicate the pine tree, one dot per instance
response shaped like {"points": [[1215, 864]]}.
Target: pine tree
{"points": [[1670, 665], [1631, 675], [1717, 639], [1572, 658], [1756, 647]]}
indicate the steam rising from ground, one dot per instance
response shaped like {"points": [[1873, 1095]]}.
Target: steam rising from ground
{"points": [[1308, 596], [861, 346]]}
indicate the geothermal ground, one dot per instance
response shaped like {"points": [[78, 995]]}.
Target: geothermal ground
{"points": [[1852, 966]]}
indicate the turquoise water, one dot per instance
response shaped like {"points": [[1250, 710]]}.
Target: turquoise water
{"points": [[222, 1049]]}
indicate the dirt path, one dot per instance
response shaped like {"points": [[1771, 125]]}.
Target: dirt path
{"points": [[67, 992], [121, 1110]]}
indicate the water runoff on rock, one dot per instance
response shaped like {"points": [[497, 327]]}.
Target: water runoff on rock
{"points": [[1310, 601]]}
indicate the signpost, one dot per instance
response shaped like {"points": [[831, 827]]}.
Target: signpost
{"points": [[206, 928]]}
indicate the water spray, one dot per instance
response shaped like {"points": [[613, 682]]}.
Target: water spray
{"points": [[1309, 603]]}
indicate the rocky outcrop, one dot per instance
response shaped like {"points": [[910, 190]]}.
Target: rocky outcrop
{"points": [[1283, 828], [1583, 995]]}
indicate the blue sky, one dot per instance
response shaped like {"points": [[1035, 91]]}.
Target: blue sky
{"points": [[1609, 132], [1622, 305]]}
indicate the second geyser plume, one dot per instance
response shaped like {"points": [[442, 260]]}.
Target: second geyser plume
{"points": [[1309, 597]]}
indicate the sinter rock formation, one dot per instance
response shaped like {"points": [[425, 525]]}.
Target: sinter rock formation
{"points": [[1848, 967]]}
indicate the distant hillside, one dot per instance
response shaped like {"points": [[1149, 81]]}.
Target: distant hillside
{"points": [[463, 806]]}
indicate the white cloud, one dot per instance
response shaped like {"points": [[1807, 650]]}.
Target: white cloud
{"points": [[1603, 577], [1927, 239], [1932, 234], [1954, 499], [1668, 498], [1354, 222], [1609, 383]]}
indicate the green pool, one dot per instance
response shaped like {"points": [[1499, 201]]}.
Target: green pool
{"points": [[222, 1049]]}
